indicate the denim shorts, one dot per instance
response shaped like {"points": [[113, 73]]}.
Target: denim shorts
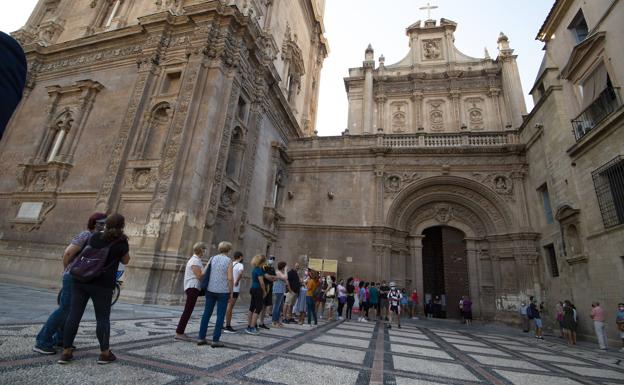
{"points": [[538, 322]]}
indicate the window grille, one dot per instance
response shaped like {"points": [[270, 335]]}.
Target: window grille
{"points": [[609, 185]]}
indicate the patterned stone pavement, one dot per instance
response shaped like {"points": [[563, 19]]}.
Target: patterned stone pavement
{"points": [[349, 353]]}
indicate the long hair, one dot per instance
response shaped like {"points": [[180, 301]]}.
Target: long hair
{"points": [[114, 227]]}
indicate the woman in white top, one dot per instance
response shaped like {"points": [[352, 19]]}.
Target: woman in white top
{"points": [[192, 278]]}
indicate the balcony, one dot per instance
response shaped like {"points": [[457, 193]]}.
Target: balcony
{"points": [[606, 103]]}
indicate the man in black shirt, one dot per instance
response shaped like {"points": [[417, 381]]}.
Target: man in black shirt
{"points": [[295, 285]]}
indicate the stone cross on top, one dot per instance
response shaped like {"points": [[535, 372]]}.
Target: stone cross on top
{"points": [[429, 7]]}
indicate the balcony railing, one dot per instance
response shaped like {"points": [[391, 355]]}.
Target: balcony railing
{"points": [[451, 140], [603, 106]]}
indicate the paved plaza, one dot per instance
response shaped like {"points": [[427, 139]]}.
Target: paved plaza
{"points": [[349, 353]]}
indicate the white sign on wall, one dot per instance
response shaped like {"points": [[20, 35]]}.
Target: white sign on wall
{"points": [[29, 210]]}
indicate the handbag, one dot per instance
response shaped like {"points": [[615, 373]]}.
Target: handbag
{"points": [[203, 286]]}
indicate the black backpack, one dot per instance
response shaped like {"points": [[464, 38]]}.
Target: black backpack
{"points": [[91, 263]]}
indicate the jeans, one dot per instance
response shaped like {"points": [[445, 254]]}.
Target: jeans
{"points": [[311, 310], [221, 299], [101, 297], [277, 305], [189, 305], [341, 303], [599, 326], [52, 331]]}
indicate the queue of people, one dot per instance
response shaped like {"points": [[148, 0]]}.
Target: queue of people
{"points": [[293, 295]]}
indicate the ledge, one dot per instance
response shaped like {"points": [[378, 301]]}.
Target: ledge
{"points": [[577, 259]]}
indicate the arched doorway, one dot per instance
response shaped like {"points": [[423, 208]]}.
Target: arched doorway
{"points": [[445, 269]]}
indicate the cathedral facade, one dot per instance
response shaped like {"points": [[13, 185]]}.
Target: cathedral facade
{"points": [[195, 120], [175, 113]]}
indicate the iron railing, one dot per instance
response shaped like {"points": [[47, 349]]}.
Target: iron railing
{"points": [[609, 184], [603, 106]]}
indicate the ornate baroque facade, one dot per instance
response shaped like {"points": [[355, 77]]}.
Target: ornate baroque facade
{"points": [[195, 119], [175, 113]]}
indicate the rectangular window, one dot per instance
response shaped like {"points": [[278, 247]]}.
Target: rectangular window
{"points": [[552, 260], [578, 27], [609, 184], [546, 201]]}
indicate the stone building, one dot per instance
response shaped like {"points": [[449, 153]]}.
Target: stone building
{"points": [[426, 187], [575, 153], [195, 119], [175, 113]]}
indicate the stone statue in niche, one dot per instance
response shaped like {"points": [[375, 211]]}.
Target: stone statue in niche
{"points": [[431, 49], [393, 183]]}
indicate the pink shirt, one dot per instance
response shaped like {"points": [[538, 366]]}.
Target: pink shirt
{"points": [[597, 314]]}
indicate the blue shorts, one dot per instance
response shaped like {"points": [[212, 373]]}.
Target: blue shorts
{"points": [[538, 322]]}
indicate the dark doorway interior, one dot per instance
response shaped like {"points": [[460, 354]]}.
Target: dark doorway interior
{"points": [[445, 270]]}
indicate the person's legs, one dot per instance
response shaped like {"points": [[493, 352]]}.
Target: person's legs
{"points": [[229, 311], [600, 334], [52, 331], [350, 302], [101, 298], [222, 300], [277, 304], [310, 308], [211, 298], [189, 305], [79, 299]]}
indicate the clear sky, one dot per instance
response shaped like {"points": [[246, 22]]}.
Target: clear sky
{"points": [[352, 24]]}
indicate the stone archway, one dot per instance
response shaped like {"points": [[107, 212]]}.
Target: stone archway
{"points": [[462, 204]]}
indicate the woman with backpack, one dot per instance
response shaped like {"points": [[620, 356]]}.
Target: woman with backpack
{"points": [[110, 247]]}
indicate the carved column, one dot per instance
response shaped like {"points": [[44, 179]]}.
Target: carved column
{"points": [[417, 100], [367, 103], [517, 178], [379, 194], [473, 274], [382, 262], [381, 102], [454, 95], [494, 94], [416, 273]]}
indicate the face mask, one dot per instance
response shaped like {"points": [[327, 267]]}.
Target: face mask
{"points": [[270, 262]]}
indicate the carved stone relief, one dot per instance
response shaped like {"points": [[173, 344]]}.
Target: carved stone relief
{"points": [[501, 183], [394, 183], [399, 116], [474, 109], [436, 115], [432, 49]]}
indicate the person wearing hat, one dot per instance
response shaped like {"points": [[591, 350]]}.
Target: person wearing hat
{"points": [[394, 304], [51, 333]]}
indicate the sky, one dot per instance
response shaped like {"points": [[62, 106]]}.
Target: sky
{"points": [[350, 25]]}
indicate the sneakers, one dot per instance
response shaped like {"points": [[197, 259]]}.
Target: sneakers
{"points": [[65, 358], [106, 358], [217, 344], [389, 326], [202, 342], [183, 337], [229, 330], [252, 331], [263, 326], [44, 350]]}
